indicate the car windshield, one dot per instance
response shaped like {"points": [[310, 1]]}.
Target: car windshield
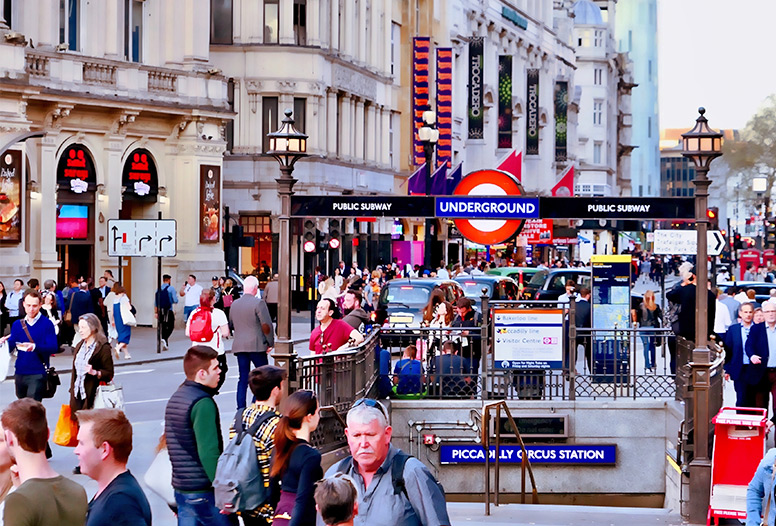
{"points": [[538, 279], [473, 289], [405, 294]]}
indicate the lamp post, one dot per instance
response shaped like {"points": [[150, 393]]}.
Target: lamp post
{"points": [[702, 145], [287, 145], [429, 136]]}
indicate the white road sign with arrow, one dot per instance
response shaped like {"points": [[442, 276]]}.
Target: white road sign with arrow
{"points": [[686, 242], [142, 237]]}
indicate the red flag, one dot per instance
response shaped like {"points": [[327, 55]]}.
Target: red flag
{"points": [[565, 187], [513, 164]]}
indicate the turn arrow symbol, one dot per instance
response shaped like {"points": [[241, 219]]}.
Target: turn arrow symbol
{"points": [[140, 243], [165, 238], [115, 237]]}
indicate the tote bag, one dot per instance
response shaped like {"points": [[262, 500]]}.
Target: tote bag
{"points": [[109, 396], [66, 432]]}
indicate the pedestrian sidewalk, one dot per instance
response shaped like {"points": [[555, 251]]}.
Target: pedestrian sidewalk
{"points": [[142, 346]]}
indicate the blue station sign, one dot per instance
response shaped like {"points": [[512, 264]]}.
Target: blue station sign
{"points": [[466, 207], [598, 454]]}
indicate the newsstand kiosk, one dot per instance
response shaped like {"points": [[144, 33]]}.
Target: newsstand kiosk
{"points": [[739, 446]]}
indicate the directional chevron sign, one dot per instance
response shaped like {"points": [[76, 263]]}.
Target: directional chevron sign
{"points": [[142, 237], [686, 242]]}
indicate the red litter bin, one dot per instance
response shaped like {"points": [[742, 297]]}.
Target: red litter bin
{"points": [[739, 446]]}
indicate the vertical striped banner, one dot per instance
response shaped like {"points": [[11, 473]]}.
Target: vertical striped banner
{"points": [[420, 92], [444, 102]]}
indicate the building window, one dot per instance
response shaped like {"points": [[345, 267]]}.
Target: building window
{"points": [[133, 34], [390, 139], [256, 224], [649, 127], [584, 38], [269, 119], [597, 147], [68, 23], [7, 12], [260, 228], [230, 124], [220, 21], [599, 38], [271, 21], [300, 105], [598, 112], [300, 22], [395, 39], [597, 76], [649, 70]]}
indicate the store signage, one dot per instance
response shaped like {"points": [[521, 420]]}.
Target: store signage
{"points": [[210, 203], [532, 118], [444, 103], [420, 92], [596, 454], [537, 231], [476, 55], [11, 197], [139, 177], [642, 208], [505, 101], [528, 339], [142, 237], [561, 118], [75, 169]]}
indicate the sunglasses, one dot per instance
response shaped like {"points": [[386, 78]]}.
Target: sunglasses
{"points": [[369, 402]]}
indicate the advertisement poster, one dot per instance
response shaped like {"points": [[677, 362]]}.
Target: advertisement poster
{"points": [[532, 114], [505, 101], [139, 176], [528, 339], [444, 102], [476, 46], [11, 197], [537, 231], [561, 118], [210, 203], [420, 92]]}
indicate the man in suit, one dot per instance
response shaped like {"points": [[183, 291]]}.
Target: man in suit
{"points": [[761, 348], [98, 302], [583, 320], [684, 294], [253, 334], [736, 357]]}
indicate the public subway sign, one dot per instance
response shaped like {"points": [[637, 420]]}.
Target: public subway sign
{"points": [[487, 207], [642, 208], [362, 206], [597, 454]]}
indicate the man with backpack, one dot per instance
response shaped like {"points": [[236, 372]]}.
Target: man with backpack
{"points": [[165, 298], [382, 474], [209, 326], [242, 476]]}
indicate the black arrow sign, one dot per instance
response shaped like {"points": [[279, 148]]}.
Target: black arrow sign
{"points": [[115, 237], [720, 242], [165, 238], [140, 243]]}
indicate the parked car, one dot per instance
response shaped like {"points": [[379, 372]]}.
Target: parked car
{"points": [[498, 288], [762, 289], [550, 284], [521, 275], [402, 300]]}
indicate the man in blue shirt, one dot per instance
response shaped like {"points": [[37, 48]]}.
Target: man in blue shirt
{"points": [[104, 445], [166, 297], [408, 373], [35, 340], [736, 359]]}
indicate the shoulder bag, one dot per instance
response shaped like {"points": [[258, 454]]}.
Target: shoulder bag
{"points": [[68, 316], [109, 396], [52, 377]]}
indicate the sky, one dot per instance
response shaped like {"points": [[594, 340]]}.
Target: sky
{"points": [[717, 54]]}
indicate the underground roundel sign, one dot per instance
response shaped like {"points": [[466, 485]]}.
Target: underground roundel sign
{"points": [[489, 183]]}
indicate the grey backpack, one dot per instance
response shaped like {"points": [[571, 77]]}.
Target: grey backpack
{"points": [[239, 482]]}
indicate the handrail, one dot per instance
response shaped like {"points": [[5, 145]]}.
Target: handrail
{"points": [[525, 462], [336, 413]]}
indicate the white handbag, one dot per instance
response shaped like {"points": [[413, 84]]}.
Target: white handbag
{"points": [[158, 478], [127, 318], [109, 396]]}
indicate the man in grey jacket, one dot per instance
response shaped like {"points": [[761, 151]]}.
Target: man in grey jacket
{"points": [[253, 334]]}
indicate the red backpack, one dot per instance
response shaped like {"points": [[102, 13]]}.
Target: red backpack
{"points": [[201, 326]]}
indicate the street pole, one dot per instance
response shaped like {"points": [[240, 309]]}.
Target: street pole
{"points": [[428, 150], [284, 346], [159, 301]]}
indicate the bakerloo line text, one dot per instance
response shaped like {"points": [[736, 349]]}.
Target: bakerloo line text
{"points": [[477, 453]]}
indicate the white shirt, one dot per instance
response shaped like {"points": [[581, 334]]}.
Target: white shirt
{"points": [[192, 294], [217, 320], [443, 273], [721, 318]]}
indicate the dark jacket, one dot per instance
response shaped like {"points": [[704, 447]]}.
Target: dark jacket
{"points": [[252, 324], [582, 318], [472, 319], [82, 304], [685, 297], [757, 344], [734, 351], [358, 319], [188, 474], [102, 361]]}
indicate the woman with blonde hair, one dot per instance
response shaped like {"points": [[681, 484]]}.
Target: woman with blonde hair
{"points": [[648, 316]]}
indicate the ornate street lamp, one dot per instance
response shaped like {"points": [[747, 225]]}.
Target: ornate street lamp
{"points": [[287, 145], [702, 145], [429, 136]]}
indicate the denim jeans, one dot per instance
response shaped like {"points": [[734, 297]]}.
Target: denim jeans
{"points": [[199, 509], [244, 360], [649, 351], [187, 310], [30, 386]]}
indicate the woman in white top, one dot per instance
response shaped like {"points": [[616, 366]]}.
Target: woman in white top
{"points": [[219, 328]]}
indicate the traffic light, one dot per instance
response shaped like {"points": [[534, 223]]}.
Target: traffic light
{"points": [[712, 214], [770, 233], [310, 236], [737, 243], [334, 234]]}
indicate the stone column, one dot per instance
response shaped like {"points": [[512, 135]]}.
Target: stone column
{"points": [[48, 26], [385, 153], [331, 122], [313, 22], [286, 29], [371, 132], [378, 39], [361, 27], [114, 30], [385, 50], [194, 23], [358, 136], [345, 135], [45, 259], [322, 123], [334, 40], [349, 21]]}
